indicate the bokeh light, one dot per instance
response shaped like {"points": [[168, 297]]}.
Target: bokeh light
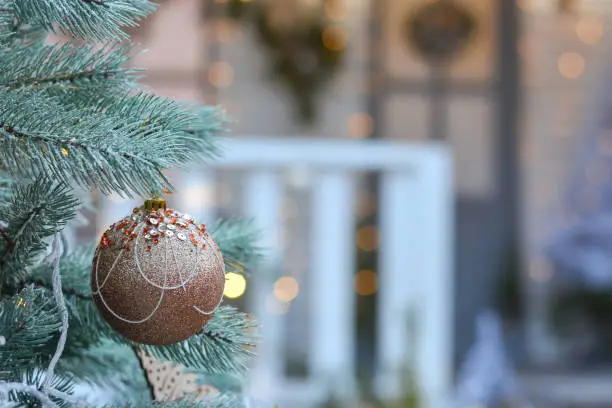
{"points": [[589, 30], [360, 125], [335, 10], [286, 289], [366, 282], [221, 74], [235, 285], [571, 65], [334, 38], [367, 238]]}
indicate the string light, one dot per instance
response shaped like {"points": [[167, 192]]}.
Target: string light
{"points": [[64, 151], [335, 10], [334, 38], [221, 74], [360, 125], [235, 285], [367, 238], [227, 31], [571, 65], [367, 204], [286, 289], [366, 282], [589, 30]]}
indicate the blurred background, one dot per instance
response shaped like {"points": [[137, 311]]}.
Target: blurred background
{"points": [[433, 183]]}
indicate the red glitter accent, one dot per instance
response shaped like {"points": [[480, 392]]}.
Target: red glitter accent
{"points": [[105, 242], [156, 241], [148, 247], [128, 231]]}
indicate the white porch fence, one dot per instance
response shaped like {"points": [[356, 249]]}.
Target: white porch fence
{"points": [[415, 260]]}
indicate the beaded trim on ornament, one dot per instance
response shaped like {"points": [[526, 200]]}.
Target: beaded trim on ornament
{"points": [[162, 224]]}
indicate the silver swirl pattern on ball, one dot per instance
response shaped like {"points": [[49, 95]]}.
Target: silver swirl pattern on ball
{"points": [[163, 287]]}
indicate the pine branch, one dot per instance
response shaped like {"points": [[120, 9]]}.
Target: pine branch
{"points": [[87, 327], [26, 390], [67, 67], [109, 151], [223, 346], [97, 366], [208, 123], [236, 240], [29, 323], [100, 19], [197, 127], [34, 212], [6, 183]]}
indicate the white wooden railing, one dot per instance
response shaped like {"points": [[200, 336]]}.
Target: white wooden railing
{"points": [[415, 259]]}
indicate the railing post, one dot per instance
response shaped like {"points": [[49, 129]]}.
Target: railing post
{"points": [[263, 193], [332, 342], [416, 276]]}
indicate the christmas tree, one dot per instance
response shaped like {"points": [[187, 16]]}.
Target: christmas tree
{"points": [[73, 119], [487, 378]]}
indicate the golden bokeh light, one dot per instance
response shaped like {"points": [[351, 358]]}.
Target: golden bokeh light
{"points": [[571, 65], [286, 289], [367, 238], [335, 10], [334, 38], [360, 125], [227, 31], [235, 285], [366, 282], [221, 74], [367, 204], [590, 30]]}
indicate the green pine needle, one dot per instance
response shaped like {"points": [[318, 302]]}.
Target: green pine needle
{"points": [[105, 150], [64, 384], [97, 19], [35, 212], [87, 327], [30, 322], [66, 67], [236, 240], [223, 346]]}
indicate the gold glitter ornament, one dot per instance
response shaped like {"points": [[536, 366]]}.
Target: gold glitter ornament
{"points": [[157, 277]]}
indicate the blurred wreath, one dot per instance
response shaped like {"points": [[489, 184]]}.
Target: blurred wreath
{"points": [[440, 30], [305, 49]]}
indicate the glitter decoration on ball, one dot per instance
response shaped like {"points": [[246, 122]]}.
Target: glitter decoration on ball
{"points": [[157, 277]]}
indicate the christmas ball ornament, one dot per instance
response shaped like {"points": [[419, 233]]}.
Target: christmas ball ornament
{"points": [[157, 277]]}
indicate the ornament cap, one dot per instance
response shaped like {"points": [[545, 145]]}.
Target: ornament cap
{"points": [[155, 204]]}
